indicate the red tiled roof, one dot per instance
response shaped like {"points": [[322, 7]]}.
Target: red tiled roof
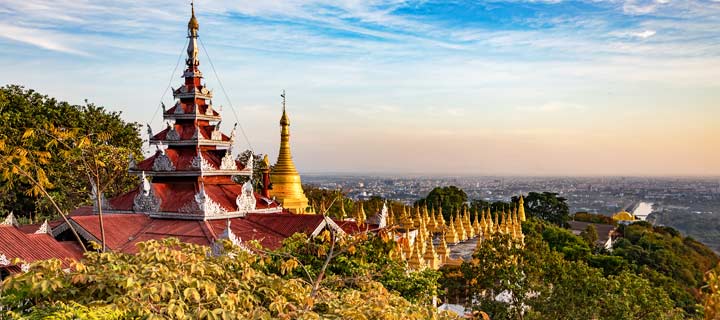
{"points": [[248, 230], [182, 159], [124, 231], [31, 247], [119, 228], [188, 108], [175, 195], [287, 224]]}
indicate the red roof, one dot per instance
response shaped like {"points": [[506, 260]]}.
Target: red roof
{"points": [[187, 131], [287, 224], [188, 108], [124, 230], [119, 228], [175, 195], [14, 243]]}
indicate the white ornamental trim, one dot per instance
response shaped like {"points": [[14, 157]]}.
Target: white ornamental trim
{"points": [[4, 261], [199, 162], [216, 135], [246, 201], [44, 229], [202, 204], [172, 135], [10, 220], [228, 163], [145, 200], [179, 109], [163, 163]]}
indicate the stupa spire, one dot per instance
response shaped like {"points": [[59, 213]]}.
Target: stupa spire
{"points": [[287, 187]]}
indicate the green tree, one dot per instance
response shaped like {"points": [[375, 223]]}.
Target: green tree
{"points": [[590, 235], [22, 110], [449, 198], [547, 206]]}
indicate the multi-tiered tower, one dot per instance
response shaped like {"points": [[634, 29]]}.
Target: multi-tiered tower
{"points": [[193, 167]]}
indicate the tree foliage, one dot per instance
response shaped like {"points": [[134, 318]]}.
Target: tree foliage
{"points": [[547, 206], [538, 282], [174, 280], [27, 116], [449, 198]]}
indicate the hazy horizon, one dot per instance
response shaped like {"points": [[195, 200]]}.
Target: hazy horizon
{"points": [[497, 88]]}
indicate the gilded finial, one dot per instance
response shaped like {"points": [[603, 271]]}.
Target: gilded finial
{"points": [[266, 161], [193, 23]]}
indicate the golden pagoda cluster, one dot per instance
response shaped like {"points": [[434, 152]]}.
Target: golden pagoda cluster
{"points": [[425, 239]]}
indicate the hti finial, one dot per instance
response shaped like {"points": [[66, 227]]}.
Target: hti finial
{"points": [[193, 24], [283, 96]]}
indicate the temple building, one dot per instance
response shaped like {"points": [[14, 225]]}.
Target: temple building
{"points": [[187, 189], [286, 185]]}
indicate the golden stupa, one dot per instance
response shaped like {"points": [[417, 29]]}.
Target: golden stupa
{"points": [[286, 184], [623, 216]]}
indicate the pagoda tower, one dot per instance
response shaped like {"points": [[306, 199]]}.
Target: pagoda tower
{"points": [[286, 184], [193, 166]]}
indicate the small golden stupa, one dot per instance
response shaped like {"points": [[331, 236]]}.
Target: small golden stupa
{"points": [[286, 184], [623, 216]]}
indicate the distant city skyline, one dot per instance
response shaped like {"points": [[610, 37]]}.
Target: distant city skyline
{"points": [[536, 87]]}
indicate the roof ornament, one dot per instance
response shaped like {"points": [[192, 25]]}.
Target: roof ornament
{"points": [[44, 228], [131, 162], [233, 132], [10, 220], [145, 184], [162, 104], [216, 134], [217, 248], [149, 131], [179, 108], [202, 204], [95, 193], [192, 49], [228, 163], [246, 201], [250, 165]]}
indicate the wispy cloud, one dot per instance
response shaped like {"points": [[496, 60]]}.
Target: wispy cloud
{"points": [[45, 39]]}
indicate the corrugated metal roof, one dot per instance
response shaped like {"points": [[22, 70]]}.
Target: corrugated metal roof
{"points": [[14, 243]]}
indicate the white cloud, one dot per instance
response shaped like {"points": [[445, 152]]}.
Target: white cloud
{"points": [[636, 34], [641, 7], [45, 39]]}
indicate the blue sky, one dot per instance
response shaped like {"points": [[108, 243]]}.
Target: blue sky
{"points": [[616, 87]]}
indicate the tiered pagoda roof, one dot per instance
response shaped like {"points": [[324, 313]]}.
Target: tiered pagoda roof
{"points": [[193, 166]]}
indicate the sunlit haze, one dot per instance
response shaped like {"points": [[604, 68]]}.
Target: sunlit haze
{"points": [[491, 87]]}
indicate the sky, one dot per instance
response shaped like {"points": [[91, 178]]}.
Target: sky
{"points": [[513, 87]]}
